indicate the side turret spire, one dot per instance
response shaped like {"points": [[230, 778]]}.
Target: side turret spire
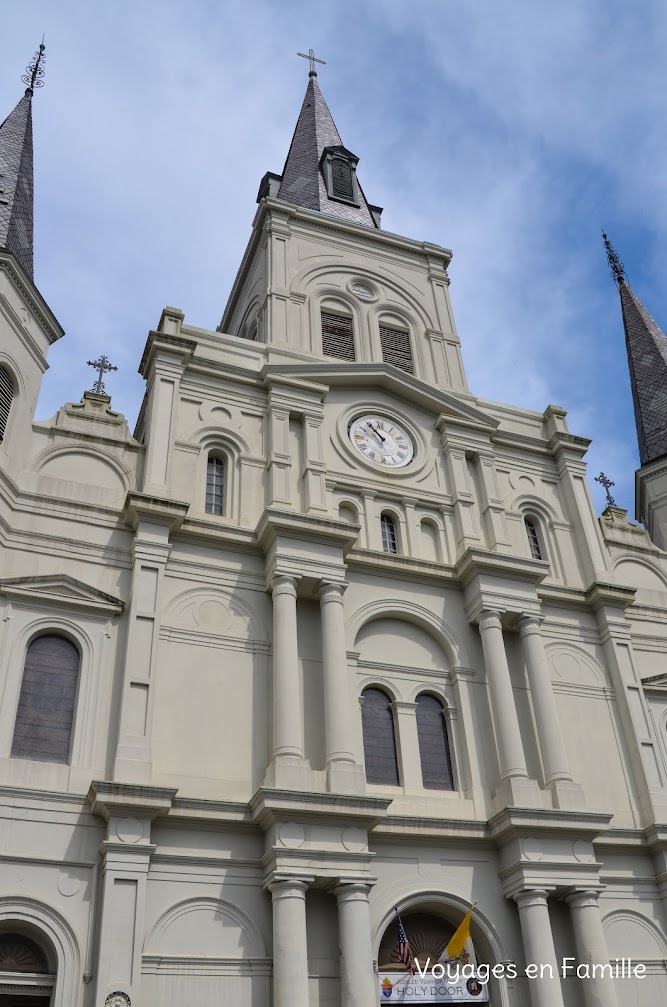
{"points": [[646, 345], [16, 170]]}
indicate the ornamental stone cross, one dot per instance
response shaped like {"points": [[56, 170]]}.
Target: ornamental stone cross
{"points": [[607, 483], [102, 366]]}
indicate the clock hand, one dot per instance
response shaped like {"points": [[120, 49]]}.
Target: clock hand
{"points": [[376, 431]]}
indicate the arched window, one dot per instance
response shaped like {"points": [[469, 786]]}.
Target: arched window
{"points": [[6, 396], [389, 537], [338, 336], [45, 712], [377, 722], [434, 744], [215, 485], [533, 538], [396, 348]]}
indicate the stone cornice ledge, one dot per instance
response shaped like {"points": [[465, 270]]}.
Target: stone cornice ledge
{"points": [[512, 822], [269, 805], [108, 798], [176, 345], [142, 506], [413, 827], [475, 561]]}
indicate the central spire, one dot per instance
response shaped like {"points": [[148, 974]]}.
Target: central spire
{"points": [[16, 170], [647, 359], [320, 173]]}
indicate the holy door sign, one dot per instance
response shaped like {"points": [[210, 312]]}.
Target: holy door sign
{"points": [[402, 988]]}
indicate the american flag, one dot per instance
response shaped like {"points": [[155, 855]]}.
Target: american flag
{"points": [[403, 947]]}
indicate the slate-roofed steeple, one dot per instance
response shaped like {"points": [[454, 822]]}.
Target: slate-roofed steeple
{"points": [[647, 358], [16, 171], [304, 180]]}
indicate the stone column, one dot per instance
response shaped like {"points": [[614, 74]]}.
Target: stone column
{"points": [[358, 984], [290, 956], [538, 945], [344, 775], [549, 733], [591, 946], [505, 719], [287, 715]]}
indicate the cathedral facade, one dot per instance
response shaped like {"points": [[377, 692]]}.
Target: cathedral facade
{"points": [[326, 638]]}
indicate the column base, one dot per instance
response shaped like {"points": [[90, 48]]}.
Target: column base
{"points": [[567, 795], [133, 764], [518, 792], [345, 778], [289, 772]]}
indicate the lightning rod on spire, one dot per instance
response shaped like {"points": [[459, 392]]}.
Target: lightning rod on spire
{"points": [[615, 264], [34, 72]]}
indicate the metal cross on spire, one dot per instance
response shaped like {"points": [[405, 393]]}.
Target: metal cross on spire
{"points": [[102, 366], [615, 264], [34, 72], [313, 60], [607, 483]]}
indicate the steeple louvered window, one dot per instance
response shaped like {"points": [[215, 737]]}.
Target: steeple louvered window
{"points": [[533, 539], [338, 336], [436, 762], [396, 348], [45, 714], [389, 536], [342, 182], [215, 485], [6, 397]]}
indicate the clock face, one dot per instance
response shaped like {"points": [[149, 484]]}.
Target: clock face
{"points": [[382, 441]]}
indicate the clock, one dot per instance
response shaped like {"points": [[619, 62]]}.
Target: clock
{"points": [[382, 441]]}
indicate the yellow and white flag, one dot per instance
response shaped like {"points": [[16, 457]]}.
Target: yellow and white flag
{"points": [[460, 947]]}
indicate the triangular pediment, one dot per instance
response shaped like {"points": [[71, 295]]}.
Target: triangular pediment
{"points": [[62, 590], [388, 378]]}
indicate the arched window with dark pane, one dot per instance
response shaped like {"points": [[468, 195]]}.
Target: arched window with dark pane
{"points": [[6, 397], [215, 485], [389, 536], [533, 538], [45, 713], [434, 744], [377, 722], [342, 182]]}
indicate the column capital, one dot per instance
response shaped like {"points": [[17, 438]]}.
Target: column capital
{"points": [[583, 897], [532, 897], [489, 617], [399, 706], [352, 891], [282, 584], [289, 888], [331, 591], [530, 623]]}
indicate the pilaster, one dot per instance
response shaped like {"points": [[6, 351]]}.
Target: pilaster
{"points": [[153, 521]]}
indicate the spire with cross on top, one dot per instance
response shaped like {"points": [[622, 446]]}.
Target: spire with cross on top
{"points": [[102, 366], [313, 60]]}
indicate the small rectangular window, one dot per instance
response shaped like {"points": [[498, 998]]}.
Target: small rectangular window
{"points": [[215, 486], [338, 336], [389, 541], [396, 348]]}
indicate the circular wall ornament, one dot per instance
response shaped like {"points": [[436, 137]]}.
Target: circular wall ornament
{"points": [[118, 1000], [68, 885], [130, 830], [363, 291], [292, 835]]}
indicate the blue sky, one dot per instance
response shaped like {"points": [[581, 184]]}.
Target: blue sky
{"points": [[510, 133]]}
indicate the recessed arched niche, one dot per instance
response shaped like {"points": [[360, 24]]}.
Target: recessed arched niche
{"points": [[394, 641]]}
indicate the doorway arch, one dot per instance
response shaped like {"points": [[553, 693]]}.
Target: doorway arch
{"points": [[436, 915], [42, 946]]}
